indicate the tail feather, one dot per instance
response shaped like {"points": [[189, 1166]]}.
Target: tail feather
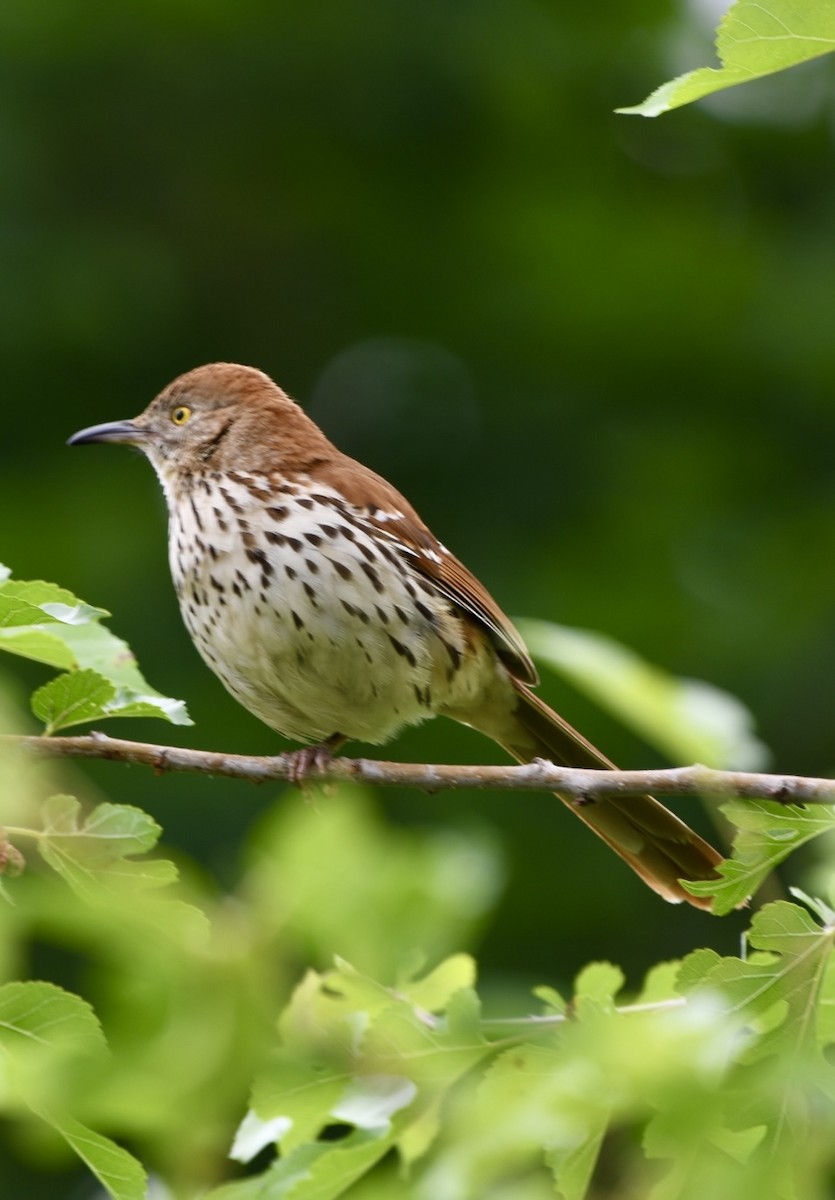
{"points": [[653, 841]]}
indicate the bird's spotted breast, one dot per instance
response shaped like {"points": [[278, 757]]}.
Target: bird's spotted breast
{"points": [[311, 622]]}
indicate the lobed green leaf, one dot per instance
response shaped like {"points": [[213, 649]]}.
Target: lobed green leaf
{"points": [[768, 832]]}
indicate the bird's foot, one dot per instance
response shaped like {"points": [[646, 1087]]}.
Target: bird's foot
{"points": [[301, 762]]}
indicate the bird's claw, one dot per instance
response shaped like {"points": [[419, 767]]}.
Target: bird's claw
{"points": [[300, 763]]}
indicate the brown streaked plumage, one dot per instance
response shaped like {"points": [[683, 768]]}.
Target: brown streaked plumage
{"points": [[314, 591]]}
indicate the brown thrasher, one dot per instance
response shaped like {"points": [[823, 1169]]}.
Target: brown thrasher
{"points": [[316, 594]]}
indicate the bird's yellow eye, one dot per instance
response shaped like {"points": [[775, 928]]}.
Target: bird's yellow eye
{"points": [[180, 414]]}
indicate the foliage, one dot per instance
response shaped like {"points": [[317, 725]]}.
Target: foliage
{"points": [[101, 679], [595, 354], [752, 40], [689, 720], [318, 1030]]}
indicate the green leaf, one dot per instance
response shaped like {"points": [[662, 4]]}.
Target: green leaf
{"points": [[35, 601], [34, 1014], [596, 986], [42, 1028], [119, 1173], [90, 854], [71, 699], [782, 988], [573, 1166], [37, 644], [85, 695], [687, 720], [41, 621], [314, 1171], [434, 990], [772, 997], [753, 40], [359, 1053], [551, 998], [768, 832]]}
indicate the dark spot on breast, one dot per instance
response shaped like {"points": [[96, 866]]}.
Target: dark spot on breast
{"points": [[216, 584], [315, 539], [454, 654], [389, 555], [328, 530], [403, 651], [366, 551], [382, 614], [297, 621], [310, 591], [425, 612], [233, 504], [197, 519], [401, 616], [236, 588], [312, 566], [221, 523], [341, 570], [275, 539], [258, 556], [373, 576], [289, 571], [294, 543], [278, 512], [305, 502]]}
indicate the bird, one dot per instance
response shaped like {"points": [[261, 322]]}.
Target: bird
{"points": [[330, 611]]}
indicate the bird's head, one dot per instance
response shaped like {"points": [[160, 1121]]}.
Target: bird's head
{"points": [[218, 416]]}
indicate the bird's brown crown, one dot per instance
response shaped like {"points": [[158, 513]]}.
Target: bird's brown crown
{"points": [[227, 416]]}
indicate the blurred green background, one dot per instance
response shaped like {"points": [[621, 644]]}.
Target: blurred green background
{"points": [[594, 351]]}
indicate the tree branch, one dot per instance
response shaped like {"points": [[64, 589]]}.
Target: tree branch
{"points": [[582, 784]]}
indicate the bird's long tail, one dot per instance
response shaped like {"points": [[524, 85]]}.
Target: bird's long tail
{"points": [[652, 840]]}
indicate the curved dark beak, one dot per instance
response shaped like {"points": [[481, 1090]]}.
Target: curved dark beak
{"points": [[111, 431]]}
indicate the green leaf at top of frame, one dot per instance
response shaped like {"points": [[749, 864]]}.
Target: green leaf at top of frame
{"points": [[753, 40]]}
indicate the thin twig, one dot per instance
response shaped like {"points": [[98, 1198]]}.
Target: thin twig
{"points": [[582, 784]]}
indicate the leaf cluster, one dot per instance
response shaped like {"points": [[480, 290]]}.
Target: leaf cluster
{"points": [[318, 1029], [99, 677]]}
